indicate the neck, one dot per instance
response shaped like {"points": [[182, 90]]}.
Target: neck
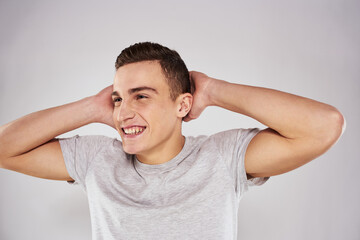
{"points": [[164, 153]]}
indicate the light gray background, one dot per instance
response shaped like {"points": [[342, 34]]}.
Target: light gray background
{"points": [[55, 52]]}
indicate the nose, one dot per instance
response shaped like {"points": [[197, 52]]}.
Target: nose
{"points": [[124, 112]]}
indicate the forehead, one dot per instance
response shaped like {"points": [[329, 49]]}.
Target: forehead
{"points": [[140, 74]]}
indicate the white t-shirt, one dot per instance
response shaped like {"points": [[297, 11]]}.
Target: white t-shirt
{"points": [[195, 195]]}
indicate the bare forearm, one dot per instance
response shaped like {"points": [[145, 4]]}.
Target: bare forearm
{"points": [[290, 115], [32, 130]]}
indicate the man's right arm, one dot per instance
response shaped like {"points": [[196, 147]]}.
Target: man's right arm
{"points": [[28, 144]]}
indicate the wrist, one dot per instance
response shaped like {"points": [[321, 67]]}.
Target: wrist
{"points": [[91, 109], [213, 87], [101, 109]]}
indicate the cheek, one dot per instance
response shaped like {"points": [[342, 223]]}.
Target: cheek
{"points": [[160, 116], [165, 111], [165, 117], [114, 115]]}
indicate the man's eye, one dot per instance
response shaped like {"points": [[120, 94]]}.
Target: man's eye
{"points": [[117, 100], [140, 96]]}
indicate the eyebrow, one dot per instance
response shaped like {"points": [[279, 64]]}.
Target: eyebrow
{"points": [[138, 89]]}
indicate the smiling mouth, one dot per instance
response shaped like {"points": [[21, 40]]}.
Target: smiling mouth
{"points": [[132, 131]]}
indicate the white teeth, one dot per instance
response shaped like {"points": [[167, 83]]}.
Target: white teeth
{"points": [[134, 130]]}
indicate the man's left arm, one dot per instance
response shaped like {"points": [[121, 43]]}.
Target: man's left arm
{"points": [[299, 129]]}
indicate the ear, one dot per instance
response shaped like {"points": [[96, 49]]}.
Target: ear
{"points": [[183, 103]]}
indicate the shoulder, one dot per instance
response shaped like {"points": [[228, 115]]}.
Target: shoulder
{"points": [[231, 135], [234, 135], [223, 141], [88, 138], [91, 142]]}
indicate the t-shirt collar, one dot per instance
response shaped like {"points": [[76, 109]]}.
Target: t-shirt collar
{"points": [[163, 167]]}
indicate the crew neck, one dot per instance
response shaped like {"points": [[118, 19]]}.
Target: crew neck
{"points": [[166, 166]]}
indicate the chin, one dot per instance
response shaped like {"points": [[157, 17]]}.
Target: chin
{"points": [[131, 150]]}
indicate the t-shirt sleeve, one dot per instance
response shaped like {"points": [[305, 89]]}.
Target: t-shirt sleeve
{"points": [[78, 153], [232, 146]]}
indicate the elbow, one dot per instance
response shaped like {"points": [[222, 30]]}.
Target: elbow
{"points": [[335, 127]]}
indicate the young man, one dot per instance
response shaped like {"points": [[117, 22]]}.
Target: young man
{"points": [[156, 183]]}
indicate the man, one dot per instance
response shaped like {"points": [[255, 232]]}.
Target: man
{"points": [[156, 183]]}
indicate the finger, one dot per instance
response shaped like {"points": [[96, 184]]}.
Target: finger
{"points": [[192, 86], [188, 119]]}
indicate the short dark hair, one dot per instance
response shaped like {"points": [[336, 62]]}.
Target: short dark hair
{"points": [[173, 67]]}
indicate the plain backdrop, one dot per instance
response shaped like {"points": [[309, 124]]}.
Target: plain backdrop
{"points": [[56, 52]]}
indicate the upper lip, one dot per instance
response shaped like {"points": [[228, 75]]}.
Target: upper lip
{"points": [[131, 126]]}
